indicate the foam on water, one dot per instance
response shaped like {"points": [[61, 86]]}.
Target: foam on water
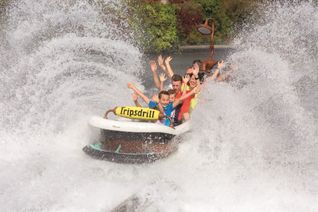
{"points": [[254, 142]]}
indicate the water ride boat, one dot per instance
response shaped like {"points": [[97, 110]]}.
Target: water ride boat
{"points": [[131, 139]]}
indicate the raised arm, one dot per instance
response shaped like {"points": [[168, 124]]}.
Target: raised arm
{"points": [[153, 68], [162, 78], [217, 70], [161, 64], [134, 97], [185, 81], [170, 72], [196, 90], [138, 92], [195, 72]]}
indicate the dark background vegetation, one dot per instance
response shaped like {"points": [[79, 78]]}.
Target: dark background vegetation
{"points": [[164, 25], [168, 24], [159, 25]]}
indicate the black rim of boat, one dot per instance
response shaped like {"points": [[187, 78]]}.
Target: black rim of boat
{"points": [[95, 151]]}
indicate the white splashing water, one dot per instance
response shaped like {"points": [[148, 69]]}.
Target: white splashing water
{"points": [[253, 147]]}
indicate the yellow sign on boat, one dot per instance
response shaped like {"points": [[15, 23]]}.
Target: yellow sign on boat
{"points": [[137, 113]]}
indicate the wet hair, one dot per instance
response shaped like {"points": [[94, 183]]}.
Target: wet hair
{"points": [[163, 93], [201, 76], [196, 61], [176, 77], [171, 91], [190, 75]]}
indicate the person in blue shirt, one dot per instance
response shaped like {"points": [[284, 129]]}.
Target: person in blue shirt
{"points": [[164, 105]]}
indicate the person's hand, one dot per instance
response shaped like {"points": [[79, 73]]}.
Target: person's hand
{"points": [[221, 64], [153, 65], [134, 97], [160, 61], [130, 85], [197, 89], [168, 60], [186, 79], [162, 77], [161, 108]]}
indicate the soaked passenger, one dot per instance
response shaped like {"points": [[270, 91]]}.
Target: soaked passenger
{"points": [[193, 86], [165, 106]]}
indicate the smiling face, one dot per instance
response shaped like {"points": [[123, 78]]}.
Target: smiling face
{"points": [[193, 82], [176, 85], [164, 99], [176, 82], [172, 97]]}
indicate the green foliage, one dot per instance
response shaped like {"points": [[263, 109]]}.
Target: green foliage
{"points": [[160, 26], [155, 26], [195, 38], [239, 10], [214, 9], [189, 15], [3, 3]]}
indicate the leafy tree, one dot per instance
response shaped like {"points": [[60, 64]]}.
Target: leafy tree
{"points": [[239, 10], [154, 25], [3, 3], [215, 10], [160, 26], [189, 14]]}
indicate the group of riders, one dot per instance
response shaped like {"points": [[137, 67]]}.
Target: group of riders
{"points": [[177, 102]]}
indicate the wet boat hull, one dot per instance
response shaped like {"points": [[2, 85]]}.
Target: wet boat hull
{"points": [[98, 151], [133, 142]]}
